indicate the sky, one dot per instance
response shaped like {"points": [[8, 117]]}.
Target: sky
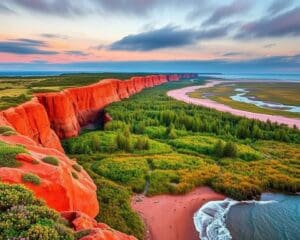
{"points": [[150, 35]]}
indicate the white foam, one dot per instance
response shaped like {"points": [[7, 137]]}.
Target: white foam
{"points": [[209, 220]]}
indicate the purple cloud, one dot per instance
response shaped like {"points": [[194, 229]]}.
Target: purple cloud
{"points": [[235, 8], [24, 46], [285, 24], [279, 5], [51, 7], [167, 37]]}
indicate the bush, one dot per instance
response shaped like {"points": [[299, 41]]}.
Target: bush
{"points": [[31, 178], [8, 155], [5, 129], [142, 143], [123, 142], [25, 217], [75, 175], [39, 232], [219, 149], [77, 167], [230, 150], [51, 160]]}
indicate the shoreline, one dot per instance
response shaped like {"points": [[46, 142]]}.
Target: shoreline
{"points": [[182, 95], [171, 216]]}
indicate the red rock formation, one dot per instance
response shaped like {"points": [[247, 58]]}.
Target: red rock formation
{"points": [[50, 116], [58, 187], [31, 119], [98, 231]]}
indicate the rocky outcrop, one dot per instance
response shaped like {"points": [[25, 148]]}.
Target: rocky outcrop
{"points": [[58, 187], [31, 119], [97, 231]]}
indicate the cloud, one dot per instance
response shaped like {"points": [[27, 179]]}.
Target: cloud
{"points": [[237, 7], [52, 7], [285, 24], [67, 8], [270, 45], [279, 5], [76, 53], [166, 37], [6, 10], [24, 47], [233, 54], [142, 7], [50, 35]]}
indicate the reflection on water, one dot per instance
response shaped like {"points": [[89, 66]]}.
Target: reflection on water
{"points": [[240, 96]]}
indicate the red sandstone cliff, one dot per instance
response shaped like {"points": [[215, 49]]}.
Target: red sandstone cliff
{"points": [[58, 187], [51, 116]]}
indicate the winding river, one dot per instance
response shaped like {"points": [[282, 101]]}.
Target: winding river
{"points": [[182, 95]]}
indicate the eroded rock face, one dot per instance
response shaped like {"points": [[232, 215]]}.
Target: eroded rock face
{"points": [[58, 187], [31, 119], [49, 117], [98, 231]]}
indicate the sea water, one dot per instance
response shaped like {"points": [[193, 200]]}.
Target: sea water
{"points": [[274, 217]]}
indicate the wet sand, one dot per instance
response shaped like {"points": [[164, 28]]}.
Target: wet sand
{"points": [[182, 95], [170, 217]]}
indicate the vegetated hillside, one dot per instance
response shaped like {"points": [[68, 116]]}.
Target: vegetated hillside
{"points": [[172, 147]]}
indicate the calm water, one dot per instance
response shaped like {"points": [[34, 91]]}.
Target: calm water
{"points": [[240, 96], [262, 76], [274, 217]]}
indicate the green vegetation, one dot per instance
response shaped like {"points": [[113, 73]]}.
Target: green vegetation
{"points": [[172, 147], [51, 160], [77, 167], [284, 93], [75, 175], [31, 178], [22, 216], [8, 155]]}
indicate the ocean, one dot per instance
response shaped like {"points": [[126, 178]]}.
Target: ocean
{"points": [[258, 76], [274, 217]]}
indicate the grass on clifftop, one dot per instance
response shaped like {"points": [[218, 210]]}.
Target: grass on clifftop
{"points": [[17, 90], [8, 155], [183, 152]]}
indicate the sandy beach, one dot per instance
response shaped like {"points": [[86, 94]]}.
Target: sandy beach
{"points": [[170, 217], [182, 95]]}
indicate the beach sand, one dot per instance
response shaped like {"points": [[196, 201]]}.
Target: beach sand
{"points": [[182, 95], [169, 217]]}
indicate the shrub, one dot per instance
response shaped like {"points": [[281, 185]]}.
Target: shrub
{"points": [[77, 167], [230, 150], [4, 129], [123, 142], [75, 175], [39, 232], [8, 155], [51, 160], [25, 217], [219, 148], [142, 143], [31, 178]]}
